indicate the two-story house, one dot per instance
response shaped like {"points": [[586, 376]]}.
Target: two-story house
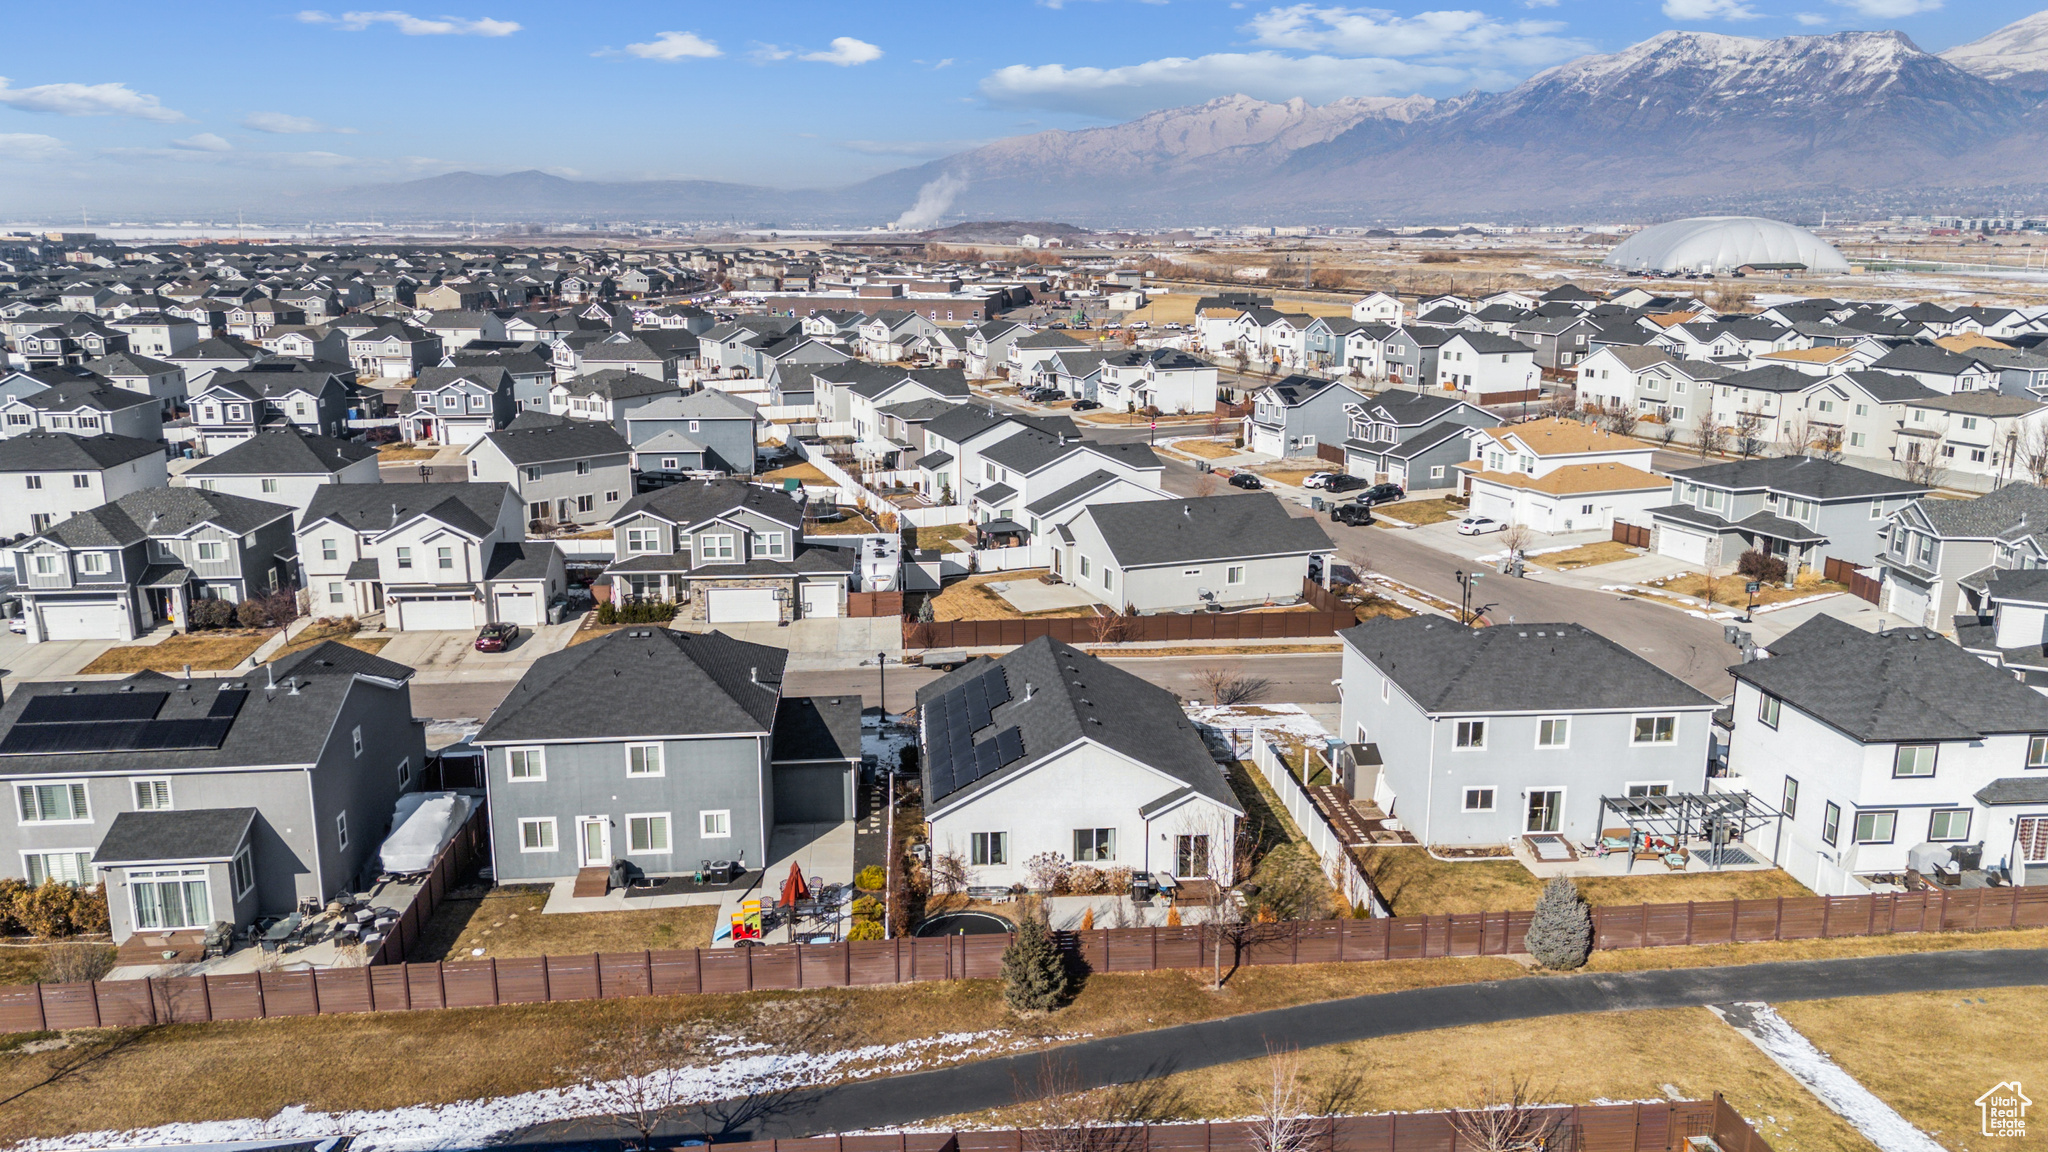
{"points": [[160, 379], [567, 472], [1873, 745], [284, 466], [1557, 475], [1414, 439], [394, 351], [666, 750], [725, 552], [1162, 379], [430, 557], [82, 406], [1981, 434], [51, 476], [118, 570], [703, 431], [459, 405], [1935, 551], [1491, 369], [1801, 509], [1298, 414], [1187, 555], [1486, 735], [209, 800], [988, 346], [1027, 467], [951, 467], [609, 396], [1048, 750]]}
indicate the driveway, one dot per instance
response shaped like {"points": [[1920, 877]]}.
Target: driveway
{"points": [[444, 656], [50, 660], [820, 643]]}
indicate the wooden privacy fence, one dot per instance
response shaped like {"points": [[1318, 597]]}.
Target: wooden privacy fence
{"points": [[866, 604], [1633, 535], [1650, 1127], [451, 865], [1860, 586], [1140, 629], [785, 967]]}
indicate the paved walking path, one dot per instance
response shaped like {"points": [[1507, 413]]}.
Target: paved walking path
{"points": [[910, 1099]]}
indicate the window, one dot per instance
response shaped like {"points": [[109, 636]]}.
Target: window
{"points": [[82, 480], [92, 563], [1471, 734], [1949, 824], [583, 467], [73, 868], [1876, 827], [1084, 565], [1831, 823], [209, 485], [533, 472], [989, 848], [1914, 760], [328, 551], [715, 825], [1655, 730], [525, 764], [1094, 845], [1862, 409], [770, 544], [643, 760], [341, 830], [2037, 752], [1553, 733], [1637, 790], [35, 482], [337, 592], [444, 557], [171, 898], [1108, 578], [1768, 709], [715, 546], [1926, 550], [1436, 472], [269, 484], [668, 463], [152, 795], [242, 874], [53, 803], [647, 833], [210, 550], [46, 564], [238, 412], [1969, 423], [1479, 799], [1857, 439], [1234, 574], [537, 834], [405, 557]]}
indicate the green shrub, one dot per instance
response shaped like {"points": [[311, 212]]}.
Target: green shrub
{"points": [[607, 613], [872, 878], [867, 908], [865, 930]]}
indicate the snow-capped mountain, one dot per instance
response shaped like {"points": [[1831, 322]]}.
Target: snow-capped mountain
{"points": [[2016, 55]]}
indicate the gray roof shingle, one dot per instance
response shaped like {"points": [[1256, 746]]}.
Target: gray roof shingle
{"points": [[182, 834], [1180, 531], [643, 682], [1446, 667], [1803, 476], [287, 451], [55, 451]]}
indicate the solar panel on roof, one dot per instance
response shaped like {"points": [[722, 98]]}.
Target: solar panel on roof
{"points": [[227, 703], [1009, 746], [120, 722], [61, 709], [985, 761], [995, 687]]}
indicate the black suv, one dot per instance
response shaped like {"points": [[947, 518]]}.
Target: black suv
{"points": [[1245, 480], [1381, 494], [1356, 515]]}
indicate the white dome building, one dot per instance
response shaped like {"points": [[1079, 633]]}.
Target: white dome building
{"points": [[1723, 244]]}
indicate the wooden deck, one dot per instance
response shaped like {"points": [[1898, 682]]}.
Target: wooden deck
{"points": [[592, 882], [187, 947]]}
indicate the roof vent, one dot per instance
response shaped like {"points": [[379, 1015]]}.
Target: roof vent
{"points": [[70, 689]]}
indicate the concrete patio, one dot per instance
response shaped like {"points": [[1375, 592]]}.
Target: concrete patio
{"points": [[820, 642], [1699, 859], [1032, 596]]}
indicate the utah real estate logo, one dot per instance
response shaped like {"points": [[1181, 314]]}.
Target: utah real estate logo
{"points": [[2005, 1110]]}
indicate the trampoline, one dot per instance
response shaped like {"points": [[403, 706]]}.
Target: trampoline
{"points": [[964, 924]]}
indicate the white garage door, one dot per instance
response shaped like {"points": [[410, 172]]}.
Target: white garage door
{"points": [[435, 615], [1906, 599], [1690, 547], [519, 608], [468, 433], [82, 622], [1500, 507], [740, 605], [821, 600]]}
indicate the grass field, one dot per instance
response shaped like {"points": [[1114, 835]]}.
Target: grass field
{"points": [[1206, 449], [341, 631], [852, 524], [969, 599], [508, 922], [935, 537], [1586, 556], [802, 471], [1289, 476], [1731, 590], [23, 963], [1422, 511], [1416, 884], [204, 651], [404, 453]]}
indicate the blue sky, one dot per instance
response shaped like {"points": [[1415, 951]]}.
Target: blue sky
{"points": [[223, 104]]}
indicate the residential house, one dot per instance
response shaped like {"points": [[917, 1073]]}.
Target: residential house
{"points": [[988, 346], [1175, 555], [158, 334], [53, 476], [1165, 380], [1557, 475], [1486, 735], [1414, 439], [284, 466], [1939, 553], [1298, 414], [726, 552], [158, 379], [2008, 626], [457, 329], [1560, 342], [608, 397], [1021, 469], [394, 351], [567, 472], [703, 431], [1981, 434], [214, 354], [665, 750], [1377, 308], [1878, 746], [1940, 369], [459, 405], [1048, 751], [117, 571], [82, 406], [531, 371], [951, 464], [1494, 369], [207, 800], [1028, 352], [1803, 510]]}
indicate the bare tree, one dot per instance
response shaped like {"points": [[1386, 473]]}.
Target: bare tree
{"points": [[1280, 1120], [1226, 684], [1619, 419], [1916, 470], [1667, 434], [1749, 426], [1058, 1115], [1561, 404], [2030, 450], [1206, 484], [1710, 438], [1517, 536], [638, 1076], [949, 873], [1826, 443], [1113, 627], [1506, 1118]]}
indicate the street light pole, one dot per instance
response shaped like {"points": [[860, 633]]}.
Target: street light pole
{"points": [[882, 673]]}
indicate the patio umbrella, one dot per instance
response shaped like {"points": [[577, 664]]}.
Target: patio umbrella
{"points": [[793, 890]]}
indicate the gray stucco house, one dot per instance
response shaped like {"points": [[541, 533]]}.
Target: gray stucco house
{"points": [[1174, 555], [707, 430], [726, 552], [1800, 509], [666, 749], [206, 800], [567, 471], [1484, 735], [1299, 414], [1939, 554], [1414, 439]]}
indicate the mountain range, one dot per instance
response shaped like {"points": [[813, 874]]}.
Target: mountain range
{"points": [[1681, 123]]}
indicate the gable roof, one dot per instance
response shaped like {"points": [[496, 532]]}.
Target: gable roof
{"points": [[163, 512], [1445, 667], [709, 404], [1556, 436], [2015, 510], [1802, 476], [698, 501], [569, 440], [1175, 531], [286, 451], [56, 451], [643, 682], [379, 507]]}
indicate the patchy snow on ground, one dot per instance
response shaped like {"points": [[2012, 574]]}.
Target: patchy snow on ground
{"points": [[886, 745], [1270, 719], [1841, 1092], [473, 1123], [1796, 603]]}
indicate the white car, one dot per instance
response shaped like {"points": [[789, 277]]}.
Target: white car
{"points": [[1319, 479], [1479, 526], [18, 625]]}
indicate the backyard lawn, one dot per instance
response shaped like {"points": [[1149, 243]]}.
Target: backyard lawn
{"points": [[508, 922], [204, 651], [969, 599], [1420, 511], [1585, 556], [802, 471], [401, 453], [853, 524], [935, 537], [24, 963], [1413, 883]]}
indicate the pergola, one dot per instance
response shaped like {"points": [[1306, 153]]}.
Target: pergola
{"points": [[1720, 818]]}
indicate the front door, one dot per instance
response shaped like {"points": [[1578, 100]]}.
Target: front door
{"points": [[595, 839], [1544, 805]]}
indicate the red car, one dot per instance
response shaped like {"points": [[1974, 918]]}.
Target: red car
{"points": [[496, 637]]}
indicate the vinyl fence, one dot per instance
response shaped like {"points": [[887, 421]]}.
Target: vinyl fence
{"points": [[1658, 1126], [1338, 863], [783, 967]]}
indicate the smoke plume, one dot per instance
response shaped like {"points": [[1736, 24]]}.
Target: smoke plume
{"points": [[932, 201]]}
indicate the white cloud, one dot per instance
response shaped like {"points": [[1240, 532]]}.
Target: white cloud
{"points": [[1812, 19], [769, 53], [203, 142], [285, 124], [1888, 9], [1709, 10], [845, 52], [89, 100], [1375, 32], [675, 46], [1135, 89], [412, 25], [30, 146]]}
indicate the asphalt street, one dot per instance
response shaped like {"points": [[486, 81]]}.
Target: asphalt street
{"points": [[994, 1083]]}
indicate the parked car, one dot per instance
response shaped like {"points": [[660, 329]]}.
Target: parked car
{"points": [[1319, 479], [17, 625], [1344, 482], [1246, 481], [1086, 405], [1479, 526], [496, 637], [1381, 494], [1356, 515]]}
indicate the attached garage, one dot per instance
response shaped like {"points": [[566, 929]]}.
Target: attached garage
{"points": [[518, 608], [1679, 544], [463, 432], [1487, 501], [1903, 597], [821, 600], [436, 615], [99, 620], [813, 793], [742, 605]]}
